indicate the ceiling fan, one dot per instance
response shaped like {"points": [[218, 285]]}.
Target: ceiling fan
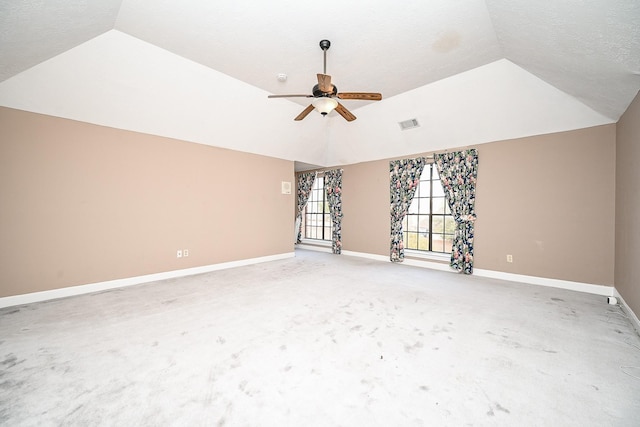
{"points": [[324, 94]]}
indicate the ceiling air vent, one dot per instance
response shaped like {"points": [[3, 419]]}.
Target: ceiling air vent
{"points": [[409, 124]]}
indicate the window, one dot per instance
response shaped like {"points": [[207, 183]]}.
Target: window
{"points": [[429, 225], [317, 219]]}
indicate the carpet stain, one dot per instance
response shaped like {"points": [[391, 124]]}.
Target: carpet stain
{"points": [[75, 410], [9, 361], [501, 408], [413, 348], [11, 385], [439, 330]]}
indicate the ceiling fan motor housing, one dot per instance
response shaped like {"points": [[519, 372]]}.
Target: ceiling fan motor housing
{"points": [[318, 93]]}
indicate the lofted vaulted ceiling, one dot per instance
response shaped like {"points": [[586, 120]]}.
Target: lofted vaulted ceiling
{"points": [[207, 55]]}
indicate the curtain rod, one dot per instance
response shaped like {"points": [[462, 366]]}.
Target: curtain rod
{"points": [[431, 157], [319, 170]]}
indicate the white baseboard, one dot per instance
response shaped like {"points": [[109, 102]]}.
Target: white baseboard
{"points": [[532, 280], [630, 314], [545, 281], [119, 283], [130, 281], [318, 248]]}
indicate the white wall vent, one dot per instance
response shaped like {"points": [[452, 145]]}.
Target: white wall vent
{"points": [[409, 124]]}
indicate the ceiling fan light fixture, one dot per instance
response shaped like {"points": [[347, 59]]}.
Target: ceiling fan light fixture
{"points": [[324, 105]]}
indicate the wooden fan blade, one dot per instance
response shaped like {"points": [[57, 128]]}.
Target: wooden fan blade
{"points": [[345, 113], [324, 83], [304, 113], [365, 96], [290, 96]]}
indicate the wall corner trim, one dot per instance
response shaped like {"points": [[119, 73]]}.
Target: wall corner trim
{"points": [[130, 281]]}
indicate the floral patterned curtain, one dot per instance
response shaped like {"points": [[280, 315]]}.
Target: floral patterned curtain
{"points": [[404, 177], [333, 186], [458, 174], [305, 183]]}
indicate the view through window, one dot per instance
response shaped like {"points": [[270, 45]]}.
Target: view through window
{"points": [[429, 225], [317, 219]]}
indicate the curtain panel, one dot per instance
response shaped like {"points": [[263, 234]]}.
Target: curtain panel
{"points": [[458, 175], [404, 177], [333, 186], [305, 183]]}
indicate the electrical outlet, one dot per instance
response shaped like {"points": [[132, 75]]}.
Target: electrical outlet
{"points": [[509, 258], [185, 252], [179, 254]]}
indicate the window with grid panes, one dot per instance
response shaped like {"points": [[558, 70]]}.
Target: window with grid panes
{"points": [[429, 225], [316, 218]]}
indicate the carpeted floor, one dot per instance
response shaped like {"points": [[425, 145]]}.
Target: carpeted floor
{"points": [[321, 340]]}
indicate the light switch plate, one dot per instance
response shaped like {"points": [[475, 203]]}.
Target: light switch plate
{"points": [[286, 187]]}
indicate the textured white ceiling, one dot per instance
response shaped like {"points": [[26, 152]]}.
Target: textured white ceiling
{"points": [[588, 50], [34, 31], [377, 46]]}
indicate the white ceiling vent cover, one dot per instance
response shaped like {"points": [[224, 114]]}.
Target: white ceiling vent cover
{"points": [[409, 124]]}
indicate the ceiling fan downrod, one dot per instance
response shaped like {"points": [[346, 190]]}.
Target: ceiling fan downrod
{"points": [[325, 45]]}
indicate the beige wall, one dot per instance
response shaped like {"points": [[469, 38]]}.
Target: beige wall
{"points": [[627, 268], [365, 206], [84, 204], [547, 200]]}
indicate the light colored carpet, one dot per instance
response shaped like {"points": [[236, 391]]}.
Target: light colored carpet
{"points": [[320, 340]]}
